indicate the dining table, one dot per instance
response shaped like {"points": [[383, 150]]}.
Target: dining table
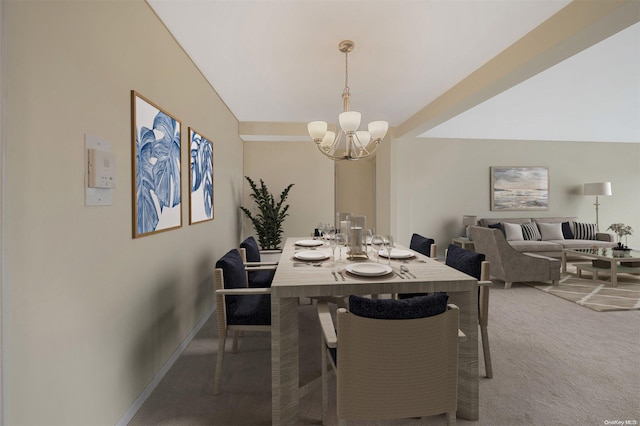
{"points": [[308, 270]]}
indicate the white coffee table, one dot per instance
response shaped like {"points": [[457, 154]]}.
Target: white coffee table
{"points": [[614, 262]]}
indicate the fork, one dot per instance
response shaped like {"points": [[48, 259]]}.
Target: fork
{"points": [[335, 276], [404, 269]]}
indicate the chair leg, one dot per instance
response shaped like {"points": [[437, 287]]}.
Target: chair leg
{"points": [[234, 346], [486, 351], [451, 418], [325, 396], [507, 285], [219, 360], [554, 282]]}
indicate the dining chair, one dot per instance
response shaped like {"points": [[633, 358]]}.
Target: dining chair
{"points": [[238, 306], [472, 263], [258, 275], [393, 359], [424, 245]]}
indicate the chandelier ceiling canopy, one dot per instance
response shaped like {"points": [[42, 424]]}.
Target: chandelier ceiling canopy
{"points": [[350, 143]]}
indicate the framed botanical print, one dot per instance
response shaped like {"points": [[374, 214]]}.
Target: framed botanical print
{"points": [[200, 178], [519, 188], [157, 200]]}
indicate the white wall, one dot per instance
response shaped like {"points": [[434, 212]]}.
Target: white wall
{"points": [[90, 313], [439, 181], [311, 199]]}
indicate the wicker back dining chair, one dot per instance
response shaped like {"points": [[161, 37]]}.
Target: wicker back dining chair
{"points": [[393, 359], [238, 306], [257, 274], [423, 245], [473, 264]]}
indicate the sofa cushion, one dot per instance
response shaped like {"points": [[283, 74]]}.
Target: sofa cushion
{"points": [[536, 246], [585, 231], [513, 231], [551, 231], [530, 232], [567, 233]]}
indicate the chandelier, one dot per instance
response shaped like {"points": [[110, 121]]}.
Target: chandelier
{"points": [[350, 143]]}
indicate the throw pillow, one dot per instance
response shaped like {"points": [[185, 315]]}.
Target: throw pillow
{"points": [[497, 226], [530, 231], [513, 231], [585, 231], [416, 307], [566, 231], [551, 231]]}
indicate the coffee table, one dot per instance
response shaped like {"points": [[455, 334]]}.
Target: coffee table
{"points": [[612, 262]]}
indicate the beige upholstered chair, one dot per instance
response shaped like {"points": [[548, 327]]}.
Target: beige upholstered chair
{"points": [[510, 265], [391, 368], [238, 306]]}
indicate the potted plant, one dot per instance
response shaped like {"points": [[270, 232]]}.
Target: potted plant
{"points": [[621, 230], [268, 222]]}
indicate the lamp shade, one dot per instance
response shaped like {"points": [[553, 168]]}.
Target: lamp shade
{"points": [[349, 121], [469, 220], [598, 188], [378, 129], [317, 129]]}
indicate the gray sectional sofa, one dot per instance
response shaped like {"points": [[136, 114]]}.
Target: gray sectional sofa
{"points": [[547, 246]]}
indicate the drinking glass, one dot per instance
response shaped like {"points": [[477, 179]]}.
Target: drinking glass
{"points": [[388, 244], [377, 242], [341, 241], [331, 236]]}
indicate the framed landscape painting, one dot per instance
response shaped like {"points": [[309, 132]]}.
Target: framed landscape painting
{"points": [[200, 178], [157, 200], [519, 188]]}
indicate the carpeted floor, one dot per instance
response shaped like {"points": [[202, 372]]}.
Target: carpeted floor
{"points": [[596, 294], [554, 363]]}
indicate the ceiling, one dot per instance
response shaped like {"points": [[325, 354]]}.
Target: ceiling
{"points": [[278, 62]]}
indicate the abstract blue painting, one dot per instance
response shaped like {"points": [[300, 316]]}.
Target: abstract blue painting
{"points": [[200, 178], [156, 168], [519, 188]]}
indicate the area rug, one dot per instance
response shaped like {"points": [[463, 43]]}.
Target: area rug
{"points": [[597, 295]]}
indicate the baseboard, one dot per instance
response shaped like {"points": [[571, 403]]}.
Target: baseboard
{"points": [[131, 412]]}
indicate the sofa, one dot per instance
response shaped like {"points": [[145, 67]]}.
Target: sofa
{"points": [[548, 236]]}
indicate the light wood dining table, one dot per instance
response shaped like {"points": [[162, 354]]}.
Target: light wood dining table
{"points": [[293, 280]]}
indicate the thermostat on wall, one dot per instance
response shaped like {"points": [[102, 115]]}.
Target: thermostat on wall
{"points": [[102, 169]]}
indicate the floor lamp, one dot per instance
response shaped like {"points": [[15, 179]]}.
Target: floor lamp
{"points": [[599, 188]]}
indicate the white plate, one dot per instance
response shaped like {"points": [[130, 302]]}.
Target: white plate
{"points": [[369, 269], [309, 243], [396, 253], [311, 255]]}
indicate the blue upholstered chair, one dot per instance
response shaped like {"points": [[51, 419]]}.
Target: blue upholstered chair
{"points": [[472, 263], [259, 273], [424, 245], [392, 358], [238, 307]]}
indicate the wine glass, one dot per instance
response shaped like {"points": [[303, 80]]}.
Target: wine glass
{"points": [[388, 244], [331, 236], [377, 242], [320, 229], [341, 241]]}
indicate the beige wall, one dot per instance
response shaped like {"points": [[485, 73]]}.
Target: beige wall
{"points": [[92, 314], [439, 181], [355, 188], [311, 199]]}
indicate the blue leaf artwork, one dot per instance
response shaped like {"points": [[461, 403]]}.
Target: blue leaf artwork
{"points": [[201, 177], [157, 169]]}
